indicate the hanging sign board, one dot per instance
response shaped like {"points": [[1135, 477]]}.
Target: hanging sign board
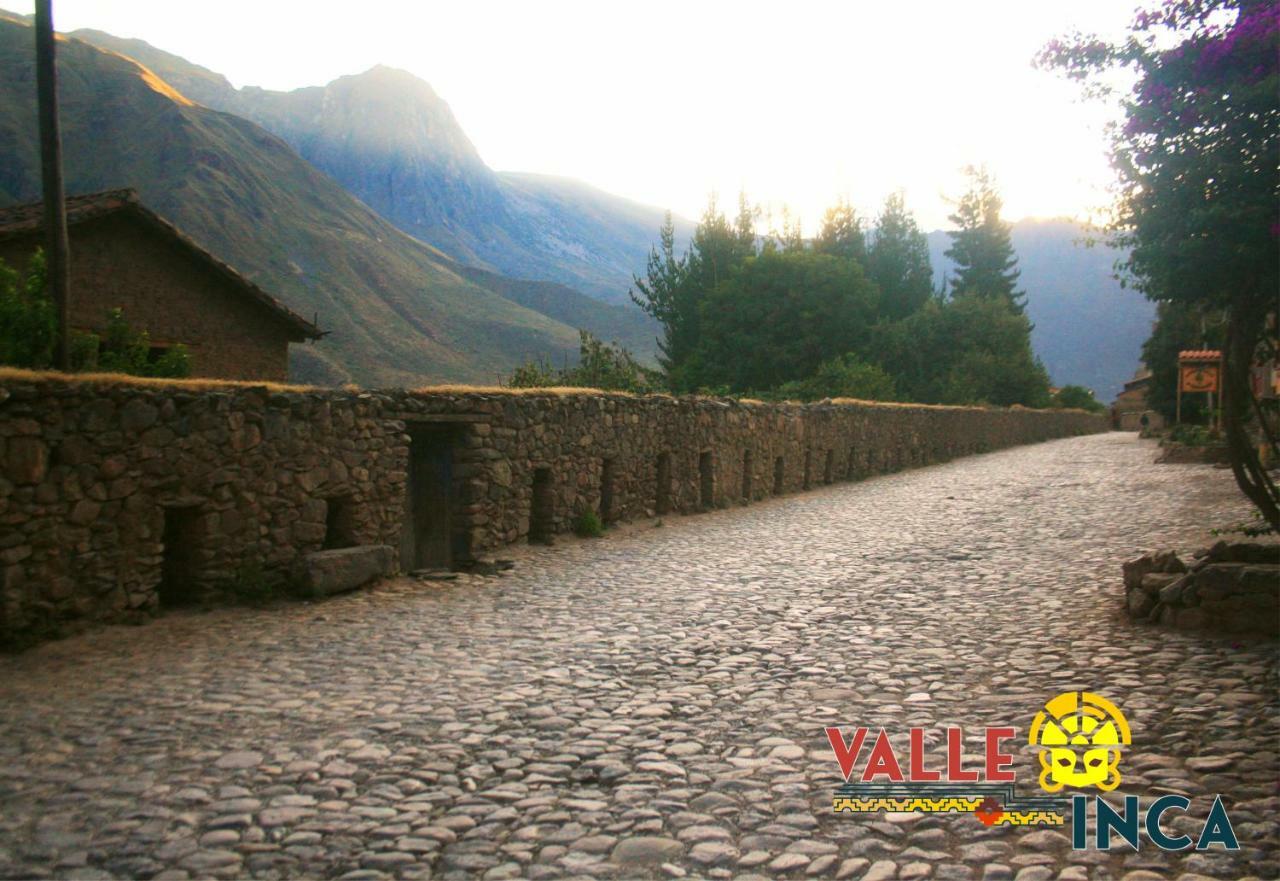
{"points": [[1199, 377]]}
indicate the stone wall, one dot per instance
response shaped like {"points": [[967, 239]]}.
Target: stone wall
{"points": [[1233, 588], [117, 498]]}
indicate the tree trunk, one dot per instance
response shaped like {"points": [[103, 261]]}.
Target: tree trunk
{"points": [[1243, 329]]}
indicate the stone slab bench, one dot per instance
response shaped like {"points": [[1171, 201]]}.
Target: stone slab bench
{"points": [[324, 573]]}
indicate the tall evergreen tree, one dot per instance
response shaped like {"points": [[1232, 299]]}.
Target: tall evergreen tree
{"points": [[981, 248], [661, 294], [842, 234], [898, 261], [744, 226]]}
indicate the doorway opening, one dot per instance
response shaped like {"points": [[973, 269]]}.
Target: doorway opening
{"points": [[541, 507], [662, 494], [180, 557], [426, 538], [706, 481]]}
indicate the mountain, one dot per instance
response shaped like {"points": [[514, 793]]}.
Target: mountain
{"points": [[1088, 329], [389, 139], [400, 311]]}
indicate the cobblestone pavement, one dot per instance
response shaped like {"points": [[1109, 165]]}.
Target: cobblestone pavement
{"points": [[652, 704]]}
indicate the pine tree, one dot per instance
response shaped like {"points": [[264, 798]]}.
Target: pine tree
{"points": [[659, 292], [842, 234], [981, 248], [898, 261]]}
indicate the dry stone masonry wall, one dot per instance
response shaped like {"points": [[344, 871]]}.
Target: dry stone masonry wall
{"points": [[117, 499]]}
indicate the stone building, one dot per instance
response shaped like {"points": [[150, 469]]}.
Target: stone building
{"points": [[124, 255], [1131, 405]]}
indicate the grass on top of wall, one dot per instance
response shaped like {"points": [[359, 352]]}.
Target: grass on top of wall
{"points": [[18, 374]]}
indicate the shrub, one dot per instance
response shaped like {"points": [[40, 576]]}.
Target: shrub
{"points": [[1077, 397], [588, 525], [28, 324], [600, 365], [843, 377]]}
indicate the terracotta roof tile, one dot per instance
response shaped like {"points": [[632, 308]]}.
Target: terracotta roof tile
{"points": [[1200, 355]]}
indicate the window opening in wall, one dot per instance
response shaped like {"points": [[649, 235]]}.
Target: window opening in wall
{"points": [[339, 523]]}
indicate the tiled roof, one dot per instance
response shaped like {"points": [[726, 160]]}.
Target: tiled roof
{"points": [[22, 220], [1200, 355]]}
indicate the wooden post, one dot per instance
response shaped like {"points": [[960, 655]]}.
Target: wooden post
{"points": [[55, 206], [1178, 417]]}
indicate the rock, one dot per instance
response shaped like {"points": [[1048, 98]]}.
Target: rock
{"points": [[1154, 582], [646, 850], [26, 461], [324, 573], [1167, 562], [881, 870], [239, 760], [1135, 569], [1171, 593], [788, 862], [1140, 603]]}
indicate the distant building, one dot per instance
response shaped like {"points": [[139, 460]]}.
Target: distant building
{"points": [[124, 255], [1131, 404]]}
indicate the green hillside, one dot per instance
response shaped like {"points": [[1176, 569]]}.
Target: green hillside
{"points": [[398, 311]]}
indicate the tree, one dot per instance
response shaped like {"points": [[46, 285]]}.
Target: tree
{"points": [[1198, 162], [674, 289], [842, 234], [600, 365], [898, 261], [981, 248], [662, 295], [1178, 326], [778, 318], [28, 319], [1077, 397], [844, 377], [965, 351]]}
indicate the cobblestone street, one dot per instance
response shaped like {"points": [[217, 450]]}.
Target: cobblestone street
{"points": [[652, 704]]}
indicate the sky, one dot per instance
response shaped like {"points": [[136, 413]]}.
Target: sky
{"points": [[795, 103]]}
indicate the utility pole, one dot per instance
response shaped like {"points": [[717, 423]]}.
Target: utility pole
{"points": [[55, 206]]}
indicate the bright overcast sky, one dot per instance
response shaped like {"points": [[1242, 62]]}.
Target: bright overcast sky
{"points": [[795, 102]]}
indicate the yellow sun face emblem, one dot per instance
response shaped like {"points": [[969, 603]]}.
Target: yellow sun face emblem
{"points": [[1079, 734]]}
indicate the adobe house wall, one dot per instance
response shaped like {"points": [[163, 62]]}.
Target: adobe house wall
{"points": [[118, 261], [94, 475]]}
